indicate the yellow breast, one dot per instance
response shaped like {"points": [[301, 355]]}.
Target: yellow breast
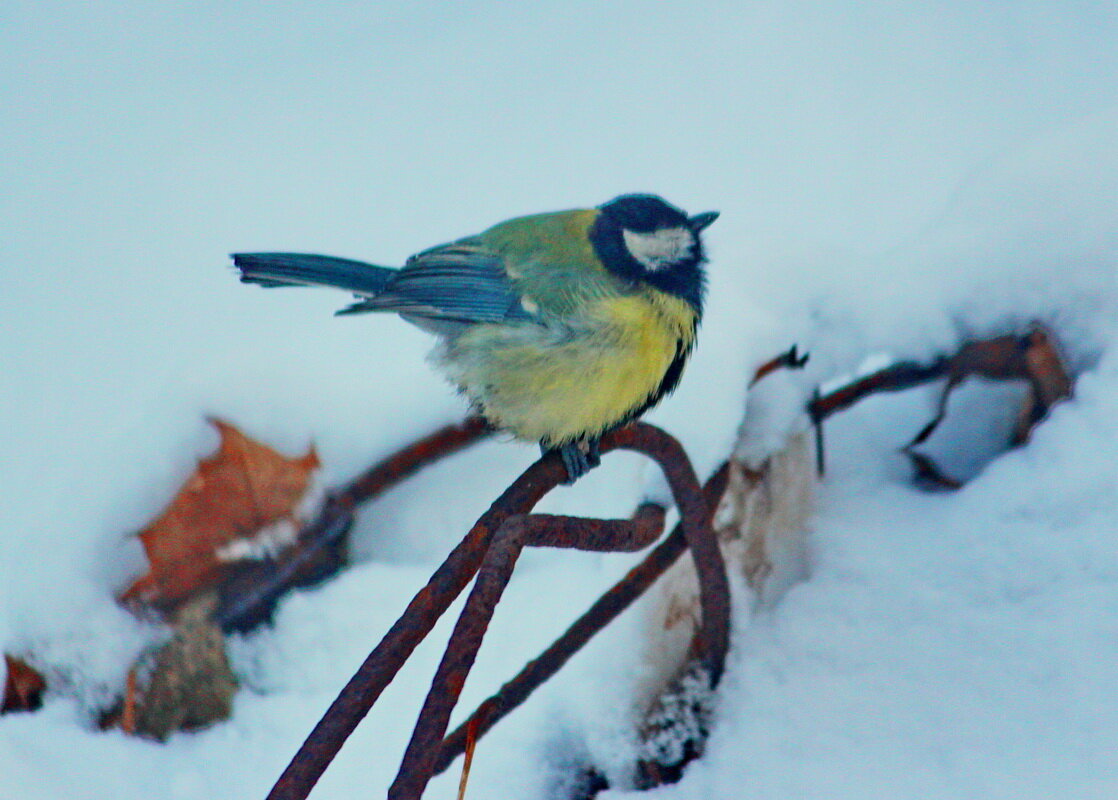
{"points": [[560, 385]]}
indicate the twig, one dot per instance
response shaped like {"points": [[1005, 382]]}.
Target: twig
{"points": [[467, 762]]}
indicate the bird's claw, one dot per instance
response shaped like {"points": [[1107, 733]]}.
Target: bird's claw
{"points": [[579, 457]]}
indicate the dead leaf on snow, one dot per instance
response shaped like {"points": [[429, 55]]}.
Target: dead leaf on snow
{"points": [[24, 687], [244, 502]]}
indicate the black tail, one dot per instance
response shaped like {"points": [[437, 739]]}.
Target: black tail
{"points": [[299, 269]]}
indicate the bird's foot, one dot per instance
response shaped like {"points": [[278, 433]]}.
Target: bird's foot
{"points": [[578, 457], [593, 451]]}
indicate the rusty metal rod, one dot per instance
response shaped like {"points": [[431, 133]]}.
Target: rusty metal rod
{"points": [[492, 578], [408, 460], [789, 359], [607, 608], [382, 664], [449, 580], [894, 378], [247, 596], [601, 535], [517, 532]]}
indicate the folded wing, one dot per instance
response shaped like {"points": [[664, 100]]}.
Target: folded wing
{"points": [[458, 282]]}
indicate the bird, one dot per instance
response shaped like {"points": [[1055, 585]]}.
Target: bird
{"points": [[558, 327]]}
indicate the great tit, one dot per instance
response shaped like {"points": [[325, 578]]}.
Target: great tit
{"points": [[559, 327]]}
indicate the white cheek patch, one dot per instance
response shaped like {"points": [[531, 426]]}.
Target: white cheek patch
{"points": [[660, 248]]}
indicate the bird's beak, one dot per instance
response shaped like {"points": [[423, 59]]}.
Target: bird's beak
{"points": [[700, 222]]}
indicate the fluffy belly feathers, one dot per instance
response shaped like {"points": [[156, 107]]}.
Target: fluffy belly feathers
{"points": [[557, 384]]}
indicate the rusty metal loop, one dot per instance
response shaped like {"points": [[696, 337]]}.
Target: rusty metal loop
{"points": [[382, 664], [490, 550], [606, 609]]}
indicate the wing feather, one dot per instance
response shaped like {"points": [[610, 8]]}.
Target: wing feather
{"points": [[462, 281]]}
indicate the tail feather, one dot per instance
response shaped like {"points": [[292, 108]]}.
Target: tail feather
{"points": [[300, 269]]}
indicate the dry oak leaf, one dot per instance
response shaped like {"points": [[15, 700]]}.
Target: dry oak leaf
{"points": [[23, 688], [246, 501]]}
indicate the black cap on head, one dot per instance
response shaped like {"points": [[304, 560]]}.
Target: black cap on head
{"points": [[643, 238], [644, 213]]}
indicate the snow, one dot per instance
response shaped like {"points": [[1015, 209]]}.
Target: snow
{"points": [[891, 180]]}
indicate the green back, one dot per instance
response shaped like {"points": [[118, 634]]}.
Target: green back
{"points": [[549, 259]]}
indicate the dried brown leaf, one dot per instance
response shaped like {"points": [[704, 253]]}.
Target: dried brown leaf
{"points": [[24, 687], [1050, 381], [998, 358], [230, 498]]}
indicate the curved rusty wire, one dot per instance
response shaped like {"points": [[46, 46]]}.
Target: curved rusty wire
{"points": [[248, 597], [606, 609], [492, 546]]}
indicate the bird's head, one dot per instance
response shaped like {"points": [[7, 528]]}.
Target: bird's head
{"points": [[640, 237]]}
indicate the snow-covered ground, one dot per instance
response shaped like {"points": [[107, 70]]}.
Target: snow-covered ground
{"points": [[891, 181]]}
